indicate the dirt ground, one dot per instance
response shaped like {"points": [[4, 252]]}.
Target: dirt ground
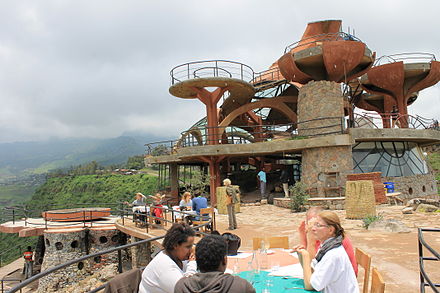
{"points": [[395, 255]]}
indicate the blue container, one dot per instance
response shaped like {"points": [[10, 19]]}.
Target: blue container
{"points": [[389, 186]]}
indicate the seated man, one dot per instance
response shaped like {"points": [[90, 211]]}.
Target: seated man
{"points": [[311, 244], [211, 261], [200, 202]]}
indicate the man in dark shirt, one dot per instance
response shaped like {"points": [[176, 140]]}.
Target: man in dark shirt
{"points": [[211, 261], [200, 202]]}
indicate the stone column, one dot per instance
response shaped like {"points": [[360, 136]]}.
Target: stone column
{"points": [[140, 254], [320, 108], [321, 112]]}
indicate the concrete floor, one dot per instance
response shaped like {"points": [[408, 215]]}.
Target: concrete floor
{"points": [[394, 254]]}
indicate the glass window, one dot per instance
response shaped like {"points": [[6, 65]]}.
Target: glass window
{"points": [[391, 158]]}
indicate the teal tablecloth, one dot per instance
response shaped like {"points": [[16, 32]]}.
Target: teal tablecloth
{"points": [[263, 283]]}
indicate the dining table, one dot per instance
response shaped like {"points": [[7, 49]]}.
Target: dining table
{"points": [[272, 270]]}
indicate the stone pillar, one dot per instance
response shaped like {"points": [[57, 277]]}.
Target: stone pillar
{"points": [[320, 108], [60, 248], [140, 254], [39, 251], [321, 112], [103, 239]]}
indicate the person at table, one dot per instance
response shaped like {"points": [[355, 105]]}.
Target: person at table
{"points": [[330, 271], [186, 203], [156, 208], [139, 200], [200, 202], [231, 200], [172, 263], [309, 242], [211, 258]]}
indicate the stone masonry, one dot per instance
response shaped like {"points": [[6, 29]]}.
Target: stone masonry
{"points": [[324, 169], [70, 245], [414, 186]]}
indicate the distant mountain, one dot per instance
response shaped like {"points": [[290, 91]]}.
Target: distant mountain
{"points": [[21, 158]]}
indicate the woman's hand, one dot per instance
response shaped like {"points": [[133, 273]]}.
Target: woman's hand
{"points": [[298, 247]]}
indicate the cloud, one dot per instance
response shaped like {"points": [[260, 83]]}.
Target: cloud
{"points": [[100, 68]]}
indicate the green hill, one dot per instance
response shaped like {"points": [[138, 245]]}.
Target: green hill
{"points": [[91, 189], [77, 191]]}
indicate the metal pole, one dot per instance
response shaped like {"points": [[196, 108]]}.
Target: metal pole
{"points": [[13, 216], [119, 261]]}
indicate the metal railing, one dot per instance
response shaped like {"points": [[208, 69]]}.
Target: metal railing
{"points": [[425, 281], [211, 68], [393, 120], [340, 36], [209, 222], [26, 215], [406, 58], [249, 134], [8, 252]]}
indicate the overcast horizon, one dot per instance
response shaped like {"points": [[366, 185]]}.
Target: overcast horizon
{"points": [[101, 68]]}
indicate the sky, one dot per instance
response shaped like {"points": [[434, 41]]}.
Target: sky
{"points": [[101, 68]]}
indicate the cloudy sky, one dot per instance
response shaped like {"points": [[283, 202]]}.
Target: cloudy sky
{"points": [[99, 68]]}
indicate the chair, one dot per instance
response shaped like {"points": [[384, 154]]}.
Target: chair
{"points": [[279, 242], [377, 283], [204, 213], [364, 260]]}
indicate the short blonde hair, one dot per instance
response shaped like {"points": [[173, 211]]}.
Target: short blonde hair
{"points": [[227, 182]]}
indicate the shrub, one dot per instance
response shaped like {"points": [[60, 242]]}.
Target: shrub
{"points": [[298, 196], [371, 219]]}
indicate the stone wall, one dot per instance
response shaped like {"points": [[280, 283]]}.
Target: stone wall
{"points": [[73, 244], [324, 170], [320, 99], [414, 186]]}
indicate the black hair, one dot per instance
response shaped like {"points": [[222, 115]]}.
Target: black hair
{"points": [[29, 248], [176, 235], [210, 252]]}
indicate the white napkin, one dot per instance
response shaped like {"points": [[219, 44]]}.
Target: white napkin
{"points": [[294, 271]]}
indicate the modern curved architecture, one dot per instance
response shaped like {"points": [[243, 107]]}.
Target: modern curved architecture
{"points": [[304, 114]]}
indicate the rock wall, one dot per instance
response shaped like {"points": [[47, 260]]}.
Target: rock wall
{"points": [[73, 244], [324, 170], [414, 186]]}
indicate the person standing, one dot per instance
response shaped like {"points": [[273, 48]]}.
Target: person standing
{"points": [[29, 263], [285, 179], [261, 176], [231, 200]]}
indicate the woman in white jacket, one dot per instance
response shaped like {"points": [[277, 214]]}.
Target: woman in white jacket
{"points": [[332, 269], [171, 264]]}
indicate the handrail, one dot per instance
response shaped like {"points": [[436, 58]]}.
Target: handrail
{"points": [[240, 134], [107, 251], [423, 275], [395, 121], [406, 58], [322, 38], [211, 68]]}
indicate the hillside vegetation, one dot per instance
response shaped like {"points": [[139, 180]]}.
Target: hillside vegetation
{"points": [[78, 191], [67, 191]]}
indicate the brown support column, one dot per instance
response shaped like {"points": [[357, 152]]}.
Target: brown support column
{"points": [[174, 182], [210, 99]]}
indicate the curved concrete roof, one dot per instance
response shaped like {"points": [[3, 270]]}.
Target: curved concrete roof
{"points": [[236, 87]]}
